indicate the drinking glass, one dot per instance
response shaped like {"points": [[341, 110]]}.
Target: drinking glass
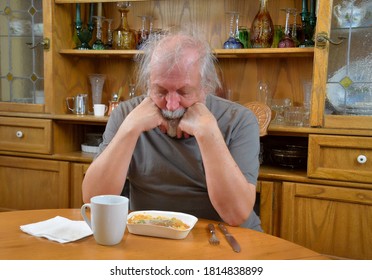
{"points": [[287, 41], [278, 35], [279, 106], [232, 42]]}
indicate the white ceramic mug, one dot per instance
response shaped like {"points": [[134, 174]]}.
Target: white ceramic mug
{"points": [[108, 218], [100, 110]]}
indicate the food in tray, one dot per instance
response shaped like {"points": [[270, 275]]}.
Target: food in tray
{"points": [[147, 219]]}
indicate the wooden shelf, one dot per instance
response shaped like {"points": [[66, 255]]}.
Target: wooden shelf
{"points": [[220, 53], [100, 53], [92, 1]]}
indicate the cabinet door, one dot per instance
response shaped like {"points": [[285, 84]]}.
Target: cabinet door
{"points": [[78, 171], [267, 195], [342, 92], [21, 56], [33, 183], [330, 220]]}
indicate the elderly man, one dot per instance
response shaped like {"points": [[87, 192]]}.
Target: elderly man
{"points": [[181, 147]]}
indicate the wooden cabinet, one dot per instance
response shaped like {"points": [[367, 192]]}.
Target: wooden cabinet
{"points": [[28, 183], [26, 135], [323, 207], [78, 171], [269, 206], [331, 220], [345, 158]]}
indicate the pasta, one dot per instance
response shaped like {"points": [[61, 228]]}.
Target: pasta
{"points": [[158, 221]]}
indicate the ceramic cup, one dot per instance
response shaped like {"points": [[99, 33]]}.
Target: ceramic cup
{"points": [[108, 218], [99, 110]]}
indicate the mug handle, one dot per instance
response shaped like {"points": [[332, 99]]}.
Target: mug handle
{"points": [[83, 211], [68, 103]]}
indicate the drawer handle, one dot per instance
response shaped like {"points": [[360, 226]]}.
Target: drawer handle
{"points": [[362, 159], [19, 134]]}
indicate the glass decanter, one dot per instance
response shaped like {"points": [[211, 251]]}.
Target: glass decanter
{"points": [[262, 29], [287, 41], [232, 42], [123, 37]]}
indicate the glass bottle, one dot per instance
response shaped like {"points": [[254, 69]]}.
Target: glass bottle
{"points": [[123, 37], [262, 29]]}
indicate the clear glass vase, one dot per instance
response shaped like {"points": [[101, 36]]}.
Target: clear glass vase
{"points": [[123, 37], [96, 82], [262, 29]]}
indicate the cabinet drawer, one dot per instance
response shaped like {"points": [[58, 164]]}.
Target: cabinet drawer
{"points": [[343, 158], [26, 135]]}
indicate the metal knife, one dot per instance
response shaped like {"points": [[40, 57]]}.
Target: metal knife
{"points": [[232, 241]]}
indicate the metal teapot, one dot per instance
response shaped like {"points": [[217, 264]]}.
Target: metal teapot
{"points": [[80, 104]]}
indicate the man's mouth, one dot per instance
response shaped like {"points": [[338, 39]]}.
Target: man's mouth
{"points": [[171, 115], [173, 118]]}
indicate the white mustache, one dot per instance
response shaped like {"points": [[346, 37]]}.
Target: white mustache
{"points": [[171, 115]]}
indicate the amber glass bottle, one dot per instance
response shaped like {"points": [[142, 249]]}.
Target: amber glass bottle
{"points": [[262, 29]]}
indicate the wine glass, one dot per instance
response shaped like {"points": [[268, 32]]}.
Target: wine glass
{"points": [[108, 44], [232, 42], [98, 43], [287, 41], [143, 34], [124, 37], [295, 29]]}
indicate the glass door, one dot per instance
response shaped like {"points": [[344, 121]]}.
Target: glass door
{"points": [[21, 54], [345, 43]]}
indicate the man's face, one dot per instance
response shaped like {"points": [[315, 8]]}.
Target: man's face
{"points": [[174, 90]]}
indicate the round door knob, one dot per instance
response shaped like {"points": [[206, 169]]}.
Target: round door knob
{"points": [[19, 134], [362, 159]]}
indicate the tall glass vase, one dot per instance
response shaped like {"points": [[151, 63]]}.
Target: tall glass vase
{"points": [[262, 29], [96, 82]]}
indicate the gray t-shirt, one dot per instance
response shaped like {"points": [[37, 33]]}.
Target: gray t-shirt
{"points": [[168, 174]]}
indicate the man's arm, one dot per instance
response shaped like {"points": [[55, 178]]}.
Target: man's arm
{"points": [[107, 173], [231, 194]]}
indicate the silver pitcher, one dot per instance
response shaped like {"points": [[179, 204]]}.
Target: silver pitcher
{"points": [[80, 104]]}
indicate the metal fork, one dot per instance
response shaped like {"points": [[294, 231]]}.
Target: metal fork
{"points": [[213, 240]]}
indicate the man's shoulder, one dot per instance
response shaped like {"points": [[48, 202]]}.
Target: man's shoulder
{"points": [[218, 105]]}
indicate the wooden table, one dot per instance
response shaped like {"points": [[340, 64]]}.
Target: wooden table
{"points": [[16, 245]]}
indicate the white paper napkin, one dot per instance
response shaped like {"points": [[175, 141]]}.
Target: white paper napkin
{"points": [[59, 229]]}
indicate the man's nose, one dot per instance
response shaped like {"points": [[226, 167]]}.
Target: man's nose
{"points": [[173, 101]]}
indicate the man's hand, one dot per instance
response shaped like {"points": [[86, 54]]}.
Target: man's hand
{"points": [[196, 120], [145, 116]]}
